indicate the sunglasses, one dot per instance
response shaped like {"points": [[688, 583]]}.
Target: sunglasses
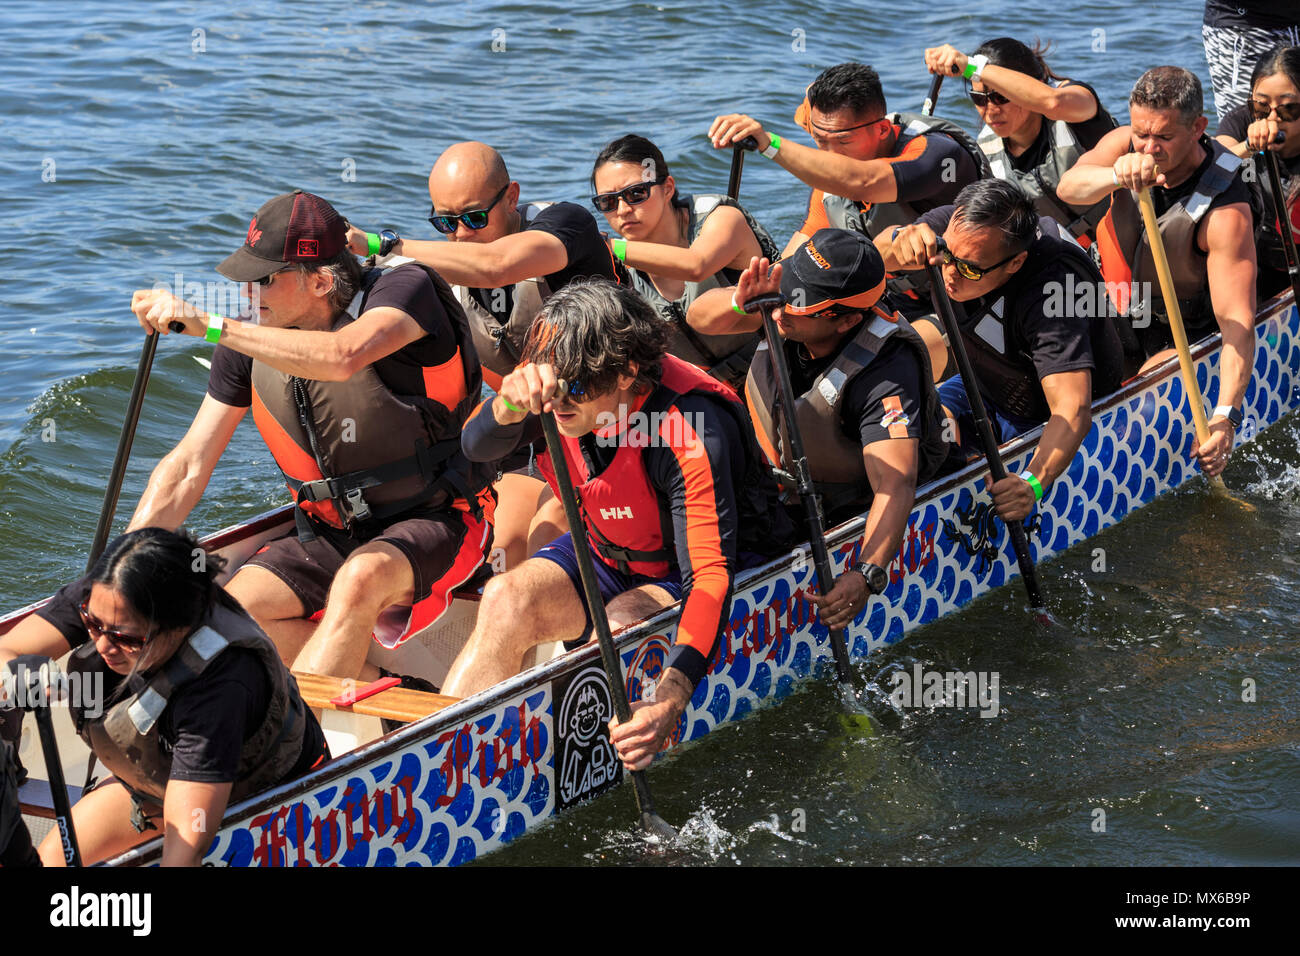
{"points": [[633, 195], [982, 100], [266, 280], [126, 642], [473, 218], [1286, 112], [968, 270]]}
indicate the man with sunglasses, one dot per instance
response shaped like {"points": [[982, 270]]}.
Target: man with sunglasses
{"points": [[1206, 224], [1041, 352], [871, 171], [671, 484], [359, 383], [503, 258]]}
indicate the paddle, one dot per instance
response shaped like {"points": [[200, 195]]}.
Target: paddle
{"points": [[1170, 297], [31, 672], [651, 822], [124, 441], [1283, 222], [932, 97], [802, 476], [738, 150], [1028, 572]]}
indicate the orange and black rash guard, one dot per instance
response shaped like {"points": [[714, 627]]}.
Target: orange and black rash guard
{"points": [[929, 170], [696, 466]]}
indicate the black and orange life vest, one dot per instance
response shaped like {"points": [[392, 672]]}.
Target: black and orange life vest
{"points": [[355, 451]]}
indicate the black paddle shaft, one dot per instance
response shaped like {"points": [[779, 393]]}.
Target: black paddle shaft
{"points": [[990, 445], [1283, 222], [124, 441], [651, 822], [738, 150], [803, 477], [32, 673], [932, 97]]}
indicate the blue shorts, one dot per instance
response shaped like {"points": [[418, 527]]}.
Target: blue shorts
{"points": [[611, 581], [952, 396]]}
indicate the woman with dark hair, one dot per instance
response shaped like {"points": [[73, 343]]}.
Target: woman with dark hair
{"points": [[677, 247], [197, 709], [1036, 124], [1273, 108]]}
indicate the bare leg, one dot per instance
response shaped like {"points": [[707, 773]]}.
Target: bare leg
{"points": [[275, 608], [373, 577], [533, 604], [548, 523], [636, 605], [932, 336], [1158, 359], [517, 502], [102, 819]]}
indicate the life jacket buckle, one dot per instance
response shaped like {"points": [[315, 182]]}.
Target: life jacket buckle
{"points": [[358, 510]]}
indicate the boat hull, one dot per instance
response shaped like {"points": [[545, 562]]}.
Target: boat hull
{"points": [[463, 782]]}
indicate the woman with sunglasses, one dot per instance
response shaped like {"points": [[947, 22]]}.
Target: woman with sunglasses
{"points": [[1273, 109], [677, 247], [1036, 124], [197, 709]]}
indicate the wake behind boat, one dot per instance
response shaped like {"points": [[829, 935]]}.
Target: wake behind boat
{"points": [[473, 775]]}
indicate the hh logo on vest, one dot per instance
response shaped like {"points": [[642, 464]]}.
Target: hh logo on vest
{"points": [[610, 514]]}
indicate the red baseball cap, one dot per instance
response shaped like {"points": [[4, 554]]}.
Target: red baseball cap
{"points": [[293, 227]]}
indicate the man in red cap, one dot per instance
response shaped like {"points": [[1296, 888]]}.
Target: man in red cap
{"points": [[866, 404], [360, 383]]}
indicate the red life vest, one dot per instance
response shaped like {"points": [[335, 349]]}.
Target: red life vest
{"points": [[621, 510]]}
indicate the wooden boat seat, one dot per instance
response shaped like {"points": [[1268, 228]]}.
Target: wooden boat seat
{"points": [[397, 703]]}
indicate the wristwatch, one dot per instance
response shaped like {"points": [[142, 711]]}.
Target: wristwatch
{"points": [[1231, 413], [876, 577], [387, 239]]}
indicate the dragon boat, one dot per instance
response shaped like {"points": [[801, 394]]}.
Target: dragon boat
{"points": [[474, 774]]}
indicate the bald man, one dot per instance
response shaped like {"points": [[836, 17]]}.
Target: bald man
{"points": [[504, 259]]}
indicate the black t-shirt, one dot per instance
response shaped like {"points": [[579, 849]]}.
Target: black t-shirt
{"points": [[588, 255], [407, 288], [1047, 332], [864, 416], [1244, 14], [1088, 133], [207, 721]]}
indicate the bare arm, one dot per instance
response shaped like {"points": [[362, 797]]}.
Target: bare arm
{"points": [[725, 241], [191, 815], [492, 265], [797, 240], [1074, 104], [1069, 396], [712, 313], [178, 480], [1092, 178], [32, 635]]}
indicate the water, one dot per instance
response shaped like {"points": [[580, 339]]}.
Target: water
{"points": [[136, 148]]}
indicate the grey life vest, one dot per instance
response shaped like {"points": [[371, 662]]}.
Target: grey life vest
{"points": [[725, 357], [880, 217], [355, 451], [1040, 182], [1125, 253], [125, 736], [500, 344], [835, 460]]}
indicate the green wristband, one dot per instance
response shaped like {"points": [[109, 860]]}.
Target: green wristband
{"points": [[1028, 477], [620, 249], [372, 243], [511, 405], [213, 334], [967, 73]]}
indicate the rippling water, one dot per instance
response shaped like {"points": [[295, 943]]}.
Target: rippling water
{"points": [[139, 140]]}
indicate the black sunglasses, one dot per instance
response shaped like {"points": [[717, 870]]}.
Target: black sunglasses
{"points": [[473, 218], [266, 280], [126, 642], [1286, 112], [633, 195], [969, 270], [984, 99]]}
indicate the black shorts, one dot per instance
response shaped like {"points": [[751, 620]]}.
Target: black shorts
{"points": [[444, 548]]}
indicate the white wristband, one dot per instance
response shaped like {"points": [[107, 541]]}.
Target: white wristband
{"points": [[1225, 411], [979, 61]]}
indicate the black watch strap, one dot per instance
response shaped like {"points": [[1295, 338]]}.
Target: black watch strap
{"points": [[876, 577], [387, 239]]}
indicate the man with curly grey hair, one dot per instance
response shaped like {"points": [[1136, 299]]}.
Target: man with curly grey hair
{"points": [[672, 487]]}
